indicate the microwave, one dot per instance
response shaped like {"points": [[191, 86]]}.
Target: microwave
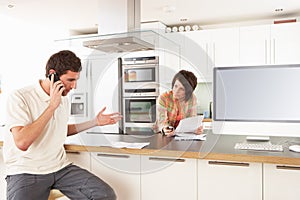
{"points": [[140, 76]]}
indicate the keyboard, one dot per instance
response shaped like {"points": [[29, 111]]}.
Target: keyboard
{"points": [[259, 146]]}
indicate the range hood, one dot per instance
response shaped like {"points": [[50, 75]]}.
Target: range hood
{"points": [[117, 17], [119, 45]]}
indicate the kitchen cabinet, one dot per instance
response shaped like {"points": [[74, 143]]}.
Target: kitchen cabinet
{"points": [[281, 182], [168, 178], [229, 180], [225, 46], [255, 45], [2, 177], [285, 43], [120, 171], [81, 159], [270, 44], [205, 49], [197, 57]]}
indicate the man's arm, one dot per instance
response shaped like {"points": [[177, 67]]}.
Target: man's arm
{"points": [[24, 136], [100, 120]]}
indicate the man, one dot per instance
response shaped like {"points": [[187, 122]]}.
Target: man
{"points": [[37, 128]]}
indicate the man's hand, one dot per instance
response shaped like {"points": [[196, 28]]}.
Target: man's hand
{"points": [[105, 119], [55, 92]]}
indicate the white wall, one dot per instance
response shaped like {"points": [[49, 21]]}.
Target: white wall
{"points": [[25, 49]]}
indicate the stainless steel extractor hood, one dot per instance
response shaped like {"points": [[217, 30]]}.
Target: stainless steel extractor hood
{"points": [[119, 45], [119, 16]]}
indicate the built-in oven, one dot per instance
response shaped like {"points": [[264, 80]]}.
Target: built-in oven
{"points": [[139, 115], [140, 76], [140, 89]]}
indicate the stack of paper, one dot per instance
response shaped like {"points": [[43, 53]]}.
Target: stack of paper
{"points": [[190, 136], [189, 124], [131, 145]]}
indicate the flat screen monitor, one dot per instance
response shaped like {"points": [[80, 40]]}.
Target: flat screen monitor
{"points": [[257, 100]]}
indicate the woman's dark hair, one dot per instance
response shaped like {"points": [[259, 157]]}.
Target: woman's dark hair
{"points": [[188, 80], [63, 61]]}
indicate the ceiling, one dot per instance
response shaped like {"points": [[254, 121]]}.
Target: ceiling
{"points": [[82, 15]]}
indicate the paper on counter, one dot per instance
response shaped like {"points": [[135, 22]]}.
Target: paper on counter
{"points": [[189, 124], [190, 136], [130, 145]]}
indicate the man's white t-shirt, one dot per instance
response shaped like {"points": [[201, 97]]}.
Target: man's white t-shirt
{"points": [[46, 154]]}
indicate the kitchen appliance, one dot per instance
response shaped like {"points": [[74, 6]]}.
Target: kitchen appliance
{"points": [[139, 92], [140, 76], [139, 115], [121, 32]]}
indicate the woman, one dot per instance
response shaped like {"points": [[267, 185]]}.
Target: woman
{"points": [[178, 103]]}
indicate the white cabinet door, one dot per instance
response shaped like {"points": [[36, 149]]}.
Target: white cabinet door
{"points": [[198, 54], [229, 180], [2, 177], [285, 43], [104, 89], [81, 159], [255, 45], [281, 182], [120, 171], [225, 47], [168, 178]]}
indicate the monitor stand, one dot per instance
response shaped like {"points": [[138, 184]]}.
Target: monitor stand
{"points": [[258, 138]]}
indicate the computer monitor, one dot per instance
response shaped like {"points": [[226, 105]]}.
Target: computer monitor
{"points": [[257, 100]]}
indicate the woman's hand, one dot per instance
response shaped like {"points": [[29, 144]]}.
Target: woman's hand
{"points": [[199, 130], [105, 119], [168, 131]]}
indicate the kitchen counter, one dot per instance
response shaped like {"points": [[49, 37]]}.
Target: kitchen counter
{"points": [[216, 147]]}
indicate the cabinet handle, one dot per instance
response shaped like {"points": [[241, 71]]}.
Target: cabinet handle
{"points": [[229, 163], [167, 159], [112, 155], [214, 54], [266, 52], [287, 167], [274, 50], [72, 152]]}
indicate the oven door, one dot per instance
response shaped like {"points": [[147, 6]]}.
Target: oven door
{"points": [[140, 110]]}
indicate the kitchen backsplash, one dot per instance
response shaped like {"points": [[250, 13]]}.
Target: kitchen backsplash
{"points": [[204, 96]]}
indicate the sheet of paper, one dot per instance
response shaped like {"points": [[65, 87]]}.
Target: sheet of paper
{"points": [[189, 124], [130, 145], [189, 136]]}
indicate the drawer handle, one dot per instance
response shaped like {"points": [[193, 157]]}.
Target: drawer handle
{"points": [[287, 167], [112, 155], [72, 152], [167, 159], [229, 163]]}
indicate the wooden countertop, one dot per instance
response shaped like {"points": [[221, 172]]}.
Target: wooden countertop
{"points": [[216, 147]]}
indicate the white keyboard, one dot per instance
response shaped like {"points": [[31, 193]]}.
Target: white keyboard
{"points": [[259, 146]]}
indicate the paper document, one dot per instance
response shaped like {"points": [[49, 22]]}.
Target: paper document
{"points": [[190, 136], [130, 145], [189, 124]]}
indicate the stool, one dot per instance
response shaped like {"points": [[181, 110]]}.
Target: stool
{"points": [[56, 194]]}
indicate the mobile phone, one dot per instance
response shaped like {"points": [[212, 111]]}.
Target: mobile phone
{"points": [[56, 77]]}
